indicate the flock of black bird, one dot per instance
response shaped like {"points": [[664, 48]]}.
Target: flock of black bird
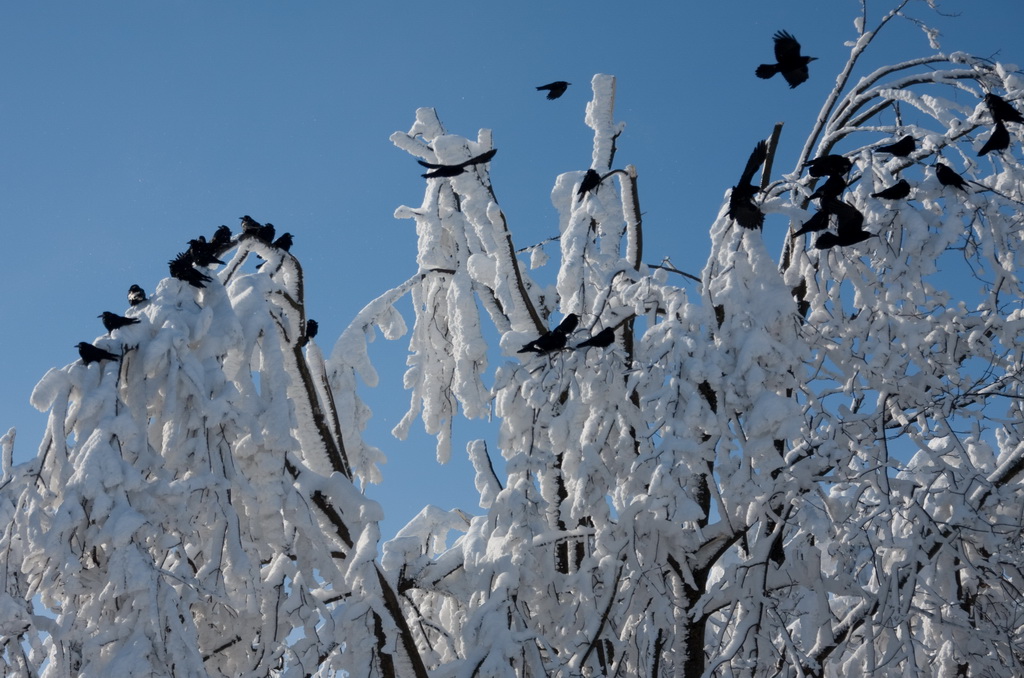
{"points": [[201, 253], [835, 169]]}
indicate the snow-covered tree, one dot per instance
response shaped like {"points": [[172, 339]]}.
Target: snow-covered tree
{"points": [[809, 463]]}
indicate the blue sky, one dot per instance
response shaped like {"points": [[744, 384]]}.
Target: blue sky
{"points": [[128, 128]]}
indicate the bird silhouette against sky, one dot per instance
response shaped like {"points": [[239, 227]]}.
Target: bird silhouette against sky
{"points": [[901, 148], [898, 191], [602, 339], [554, 340], [555, 89], [93, 354], [113, 321], [788, 59], [828, 165], [455, 170], [999, 140], [742, 207], [1002, 110], [947, 177]]}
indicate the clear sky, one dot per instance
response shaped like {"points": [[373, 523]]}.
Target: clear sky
{"points": [[127, 128]]}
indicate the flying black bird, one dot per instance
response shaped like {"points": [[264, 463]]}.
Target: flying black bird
{"points": [[999, 141], [555, 89], [249, 225], [311, 328], [221, 237], [1001, 110], [602, 339], [741, 201], [828, 165], [284, 242], [818, 222], [901, 148], [947, 177], [591, 180], [455, 170], [554, 340], [898, 191], [831, 189], [136, 295], [201, 252], [789, 62], [113, 321], [182, 269], [93, 354]]}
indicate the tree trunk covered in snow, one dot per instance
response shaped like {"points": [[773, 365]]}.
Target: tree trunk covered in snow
{"points": [[803, 465]]}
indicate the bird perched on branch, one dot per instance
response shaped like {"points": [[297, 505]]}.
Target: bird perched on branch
{"points": [[201, 252], [998, 141], [284, 242], [182, 269], [789, 62], [555, 89], [249, 225], [1001, 110], [831, 189], [221, 237], [818, 222], [828, 165], [901, 148], [455, 170], [741, 201], [554, 340], [93, 354], [898, 191], [136, 295], [591, 180], [602, 339], [947, 177], [113, 321], [849, 227]]}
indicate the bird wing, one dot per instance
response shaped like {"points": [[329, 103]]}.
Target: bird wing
{"points": [[786, 49], [756, 159]]}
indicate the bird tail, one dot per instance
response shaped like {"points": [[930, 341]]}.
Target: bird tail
{"points": [[766, 70]]}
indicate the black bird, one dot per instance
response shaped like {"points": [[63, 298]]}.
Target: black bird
{"points": [[311, 328], [789, 62], [849, 227], [1001, 110], [947, 177], [901, 148], [249, 225], [999, 141], [221, 237], [201, 252], [93, 354], [136, 295], [591, 180], [182, 269], [831, 189], [554, 340], [284, 242], [741, 201], [602, 339], [555, 89], [266, 233], [113, 321], [455, 170], [818, 222], [898, 191], [828, 165]]}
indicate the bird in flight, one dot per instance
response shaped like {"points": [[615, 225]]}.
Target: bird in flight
{"points": [[1001, 110], [455, 170], [554, 340], [741, 200], [113, 321], [136, 295], [93, 354], [901, 148], [947, 177], [898, 191], [555, 89], [789, 62], [602, 339], [998, 141]]}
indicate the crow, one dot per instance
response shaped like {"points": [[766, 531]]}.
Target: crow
{"points": [[999, 141], [455, 170], [829, 165], [284, 242], [831, 189], [266, 233], [113, 321], [602, 339], [182, 269], [789, 62], [249, 225], [901, 148], [741, 201], [136, 295], [555, 89], [554, 340], [898, 191], [92, 354], [311, 328], [947, 177], [591, 180], [1001, 110], [221, 237], [849, 227], [201, 252], [818, 222]]}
